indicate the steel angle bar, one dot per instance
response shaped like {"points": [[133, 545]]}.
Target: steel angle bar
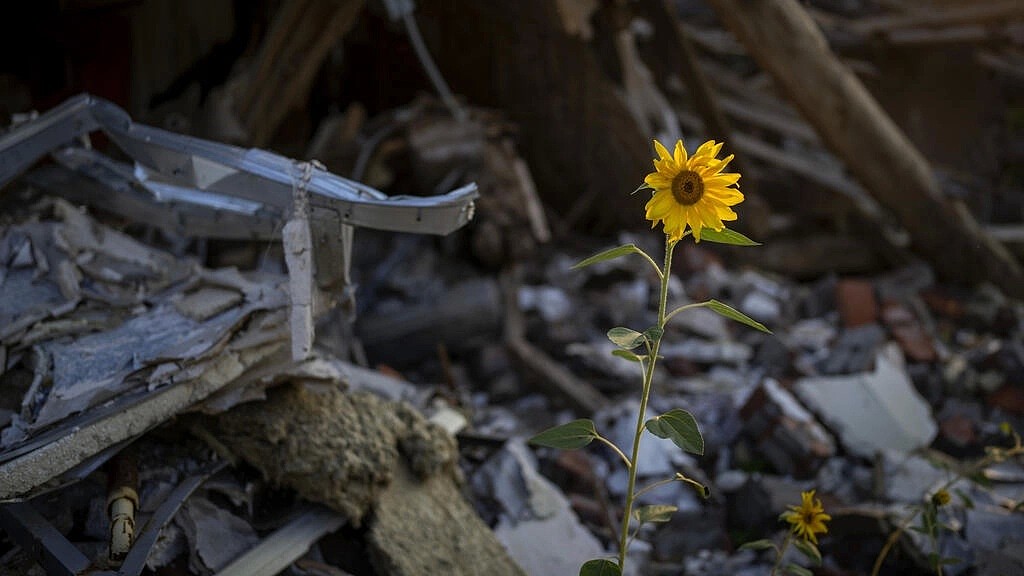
{"points": [[183, 211], [41, 541], [185, 168]]}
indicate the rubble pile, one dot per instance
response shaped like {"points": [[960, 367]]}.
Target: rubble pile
{"points": [[219, 360]]}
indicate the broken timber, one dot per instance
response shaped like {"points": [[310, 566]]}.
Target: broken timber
{"points": [[787, 43]]}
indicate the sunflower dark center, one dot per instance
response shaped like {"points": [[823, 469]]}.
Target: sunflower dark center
{"points": [[687, 187]]}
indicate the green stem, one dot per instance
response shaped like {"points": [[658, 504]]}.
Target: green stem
{"points": [[647, 489], [781, 553], [891, 541], [615, 448], [644, 396], [684, 307]]}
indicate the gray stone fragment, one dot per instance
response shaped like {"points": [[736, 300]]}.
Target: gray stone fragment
{"points": [[872, 411], [536, 523], [785, 432], [427, 527]]}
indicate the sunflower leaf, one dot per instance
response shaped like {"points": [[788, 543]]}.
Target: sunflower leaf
{"points": [[655, 513], [610, 254], [680, 427], [653, 333], [726, 236], [632, 357], [625, 338], [569, 436], [807, 549], [758, 545], [600, 567], [734, 314]]}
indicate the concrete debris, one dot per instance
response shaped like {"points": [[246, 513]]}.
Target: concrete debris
{"points": [[908, 477], [785, 432], [872, 411], [286, 545], [332, 447], [854, 350], [425, 526], [536, 523], [705, 352], [551, 303], [215, 536]]}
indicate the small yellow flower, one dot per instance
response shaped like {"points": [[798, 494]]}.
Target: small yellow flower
{"points": [[807, 519], [691, 191]]}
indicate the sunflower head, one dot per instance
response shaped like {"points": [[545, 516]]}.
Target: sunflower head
{"points": [[808, 519], [691, 191]]}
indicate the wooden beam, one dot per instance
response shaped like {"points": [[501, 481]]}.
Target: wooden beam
{"points": [[670, 37], [787, 43], [576, 132], [973, 13], [299, 39]]}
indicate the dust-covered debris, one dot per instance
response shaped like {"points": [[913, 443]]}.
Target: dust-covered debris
{"points": [[340, 449]]}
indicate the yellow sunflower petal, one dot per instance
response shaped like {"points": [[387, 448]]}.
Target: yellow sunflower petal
{"points": [[660, 204], [680, 154], [662, 151], [716, 166], [721, 180], [727, 196], [658, 180], [705, 149]]}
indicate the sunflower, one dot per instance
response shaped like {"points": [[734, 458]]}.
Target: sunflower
{"points": [[808, 518], [691, 191]]}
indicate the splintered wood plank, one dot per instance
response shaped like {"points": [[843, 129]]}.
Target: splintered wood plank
{"points": [[787, 43]]}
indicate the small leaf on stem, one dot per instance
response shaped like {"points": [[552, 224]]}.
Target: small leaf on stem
{"points": [[726, 236], [763, 544], [627, 355], [679, 426], [600, 567], [570, 436], [655, 513], [807, 549], [625, 338], [653, 334]]}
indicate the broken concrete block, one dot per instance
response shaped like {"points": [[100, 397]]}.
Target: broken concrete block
{"points": [[333, 447], [784, 431], [997, 536], [215, 536], [552, 303], [427, 527], [536, 523], [854, 350], [910, 478], [872, 411]]}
